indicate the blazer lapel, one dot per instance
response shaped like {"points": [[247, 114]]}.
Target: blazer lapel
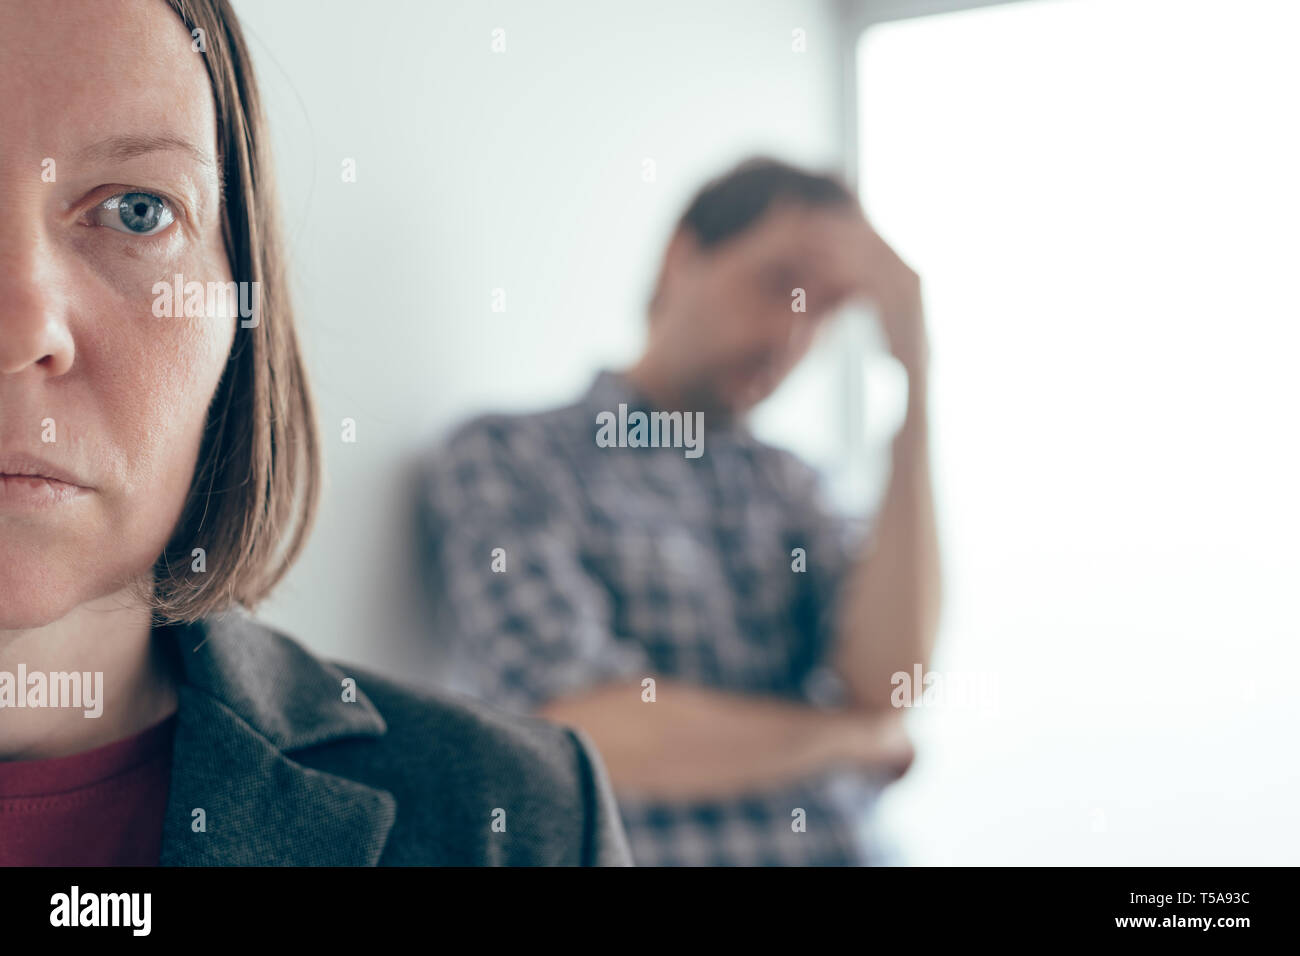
{"points": [[237, 797]]}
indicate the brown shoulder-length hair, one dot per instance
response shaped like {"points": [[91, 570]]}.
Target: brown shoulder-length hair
{"points": [[257, 480]]}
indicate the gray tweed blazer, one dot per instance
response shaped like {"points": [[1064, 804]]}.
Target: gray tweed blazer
{"points": [[287, 772]]}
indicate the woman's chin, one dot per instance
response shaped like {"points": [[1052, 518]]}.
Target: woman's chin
{"points": [[18, 615], [34, 595]]}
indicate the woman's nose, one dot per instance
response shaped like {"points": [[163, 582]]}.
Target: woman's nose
{"points": [[34, 332]]}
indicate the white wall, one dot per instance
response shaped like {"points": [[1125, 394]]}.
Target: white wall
{"points": [[476, 170]]}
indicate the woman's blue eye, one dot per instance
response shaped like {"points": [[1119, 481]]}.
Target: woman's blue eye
{"points": [[141, 214]]}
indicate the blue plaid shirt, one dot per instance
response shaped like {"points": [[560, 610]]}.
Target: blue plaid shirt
{"points": [[626, 563]]}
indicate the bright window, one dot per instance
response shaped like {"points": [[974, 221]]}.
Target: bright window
{"points": [[1102, 198]]}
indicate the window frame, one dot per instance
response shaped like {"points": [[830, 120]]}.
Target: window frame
{"points": [[855, 18]]}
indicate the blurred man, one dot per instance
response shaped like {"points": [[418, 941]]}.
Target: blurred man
{"points": [[690, 604]]}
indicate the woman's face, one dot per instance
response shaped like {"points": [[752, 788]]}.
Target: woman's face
{"points": [[108, 185]]}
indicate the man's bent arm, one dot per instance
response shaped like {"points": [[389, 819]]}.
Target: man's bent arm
{"points": [[699, 743], [889, 617]]}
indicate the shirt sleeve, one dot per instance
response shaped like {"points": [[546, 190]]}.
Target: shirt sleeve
{"points": [[831, 546], [529, 622]]}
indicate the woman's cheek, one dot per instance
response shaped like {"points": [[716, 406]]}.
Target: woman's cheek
{"points": [[159, 383], [185, 359]]}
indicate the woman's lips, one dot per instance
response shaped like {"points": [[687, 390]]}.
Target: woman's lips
{"points": [[35, 491]]}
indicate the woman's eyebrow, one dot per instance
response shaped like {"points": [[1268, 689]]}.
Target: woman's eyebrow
{"points": [[120, 148]]}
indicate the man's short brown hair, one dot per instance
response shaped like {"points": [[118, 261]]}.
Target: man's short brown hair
{"points": [[729, 204], [733, 202]]}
